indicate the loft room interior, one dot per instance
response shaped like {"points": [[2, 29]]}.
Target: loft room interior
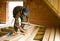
{"points": [[44, 19]]}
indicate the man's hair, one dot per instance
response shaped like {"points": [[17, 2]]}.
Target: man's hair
{"points": [[16, 10]]}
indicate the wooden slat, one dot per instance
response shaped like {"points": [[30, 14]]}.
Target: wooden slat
{"points": [[52, 35], [32, 35], [51, 1], [59, 5], [57, 36], [27, 23], [56, 4], [47, 34]]}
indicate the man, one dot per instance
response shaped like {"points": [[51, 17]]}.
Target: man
{"points": [[21, 12]]}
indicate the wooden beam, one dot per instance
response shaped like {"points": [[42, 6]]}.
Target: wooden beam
{"points": [[56, 4], [52, 7], [59, 5], [51, 1]]}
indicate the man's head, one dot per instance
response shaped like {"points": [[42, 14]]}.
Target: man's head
{"points": [[25, 11]]}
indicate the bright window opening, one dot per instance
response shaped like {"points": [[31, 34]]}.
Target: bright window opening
{"points": [[11, 6]]}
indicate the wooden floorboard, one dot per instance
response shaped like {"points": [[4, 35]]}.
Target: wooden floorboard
{"points": [[47, 34], [57, 36], [52, 34]]}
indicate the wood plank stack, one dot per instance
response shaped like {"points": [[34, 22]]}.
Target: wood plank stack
{"points": [[31, 31]]}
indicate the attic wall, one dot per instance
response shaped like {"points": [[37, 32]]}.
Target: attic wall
{"points": [[2, 12], [39, 12], [42, 14]]}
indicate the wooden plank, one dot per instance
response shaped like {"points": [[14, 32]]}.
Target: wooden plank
{"points": [[52, 7], [47, 34], [51, 1], [57, 36], [27, 23], [52, 35], [59, 5], [18, 36], [31, 37], [56, 4]]}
